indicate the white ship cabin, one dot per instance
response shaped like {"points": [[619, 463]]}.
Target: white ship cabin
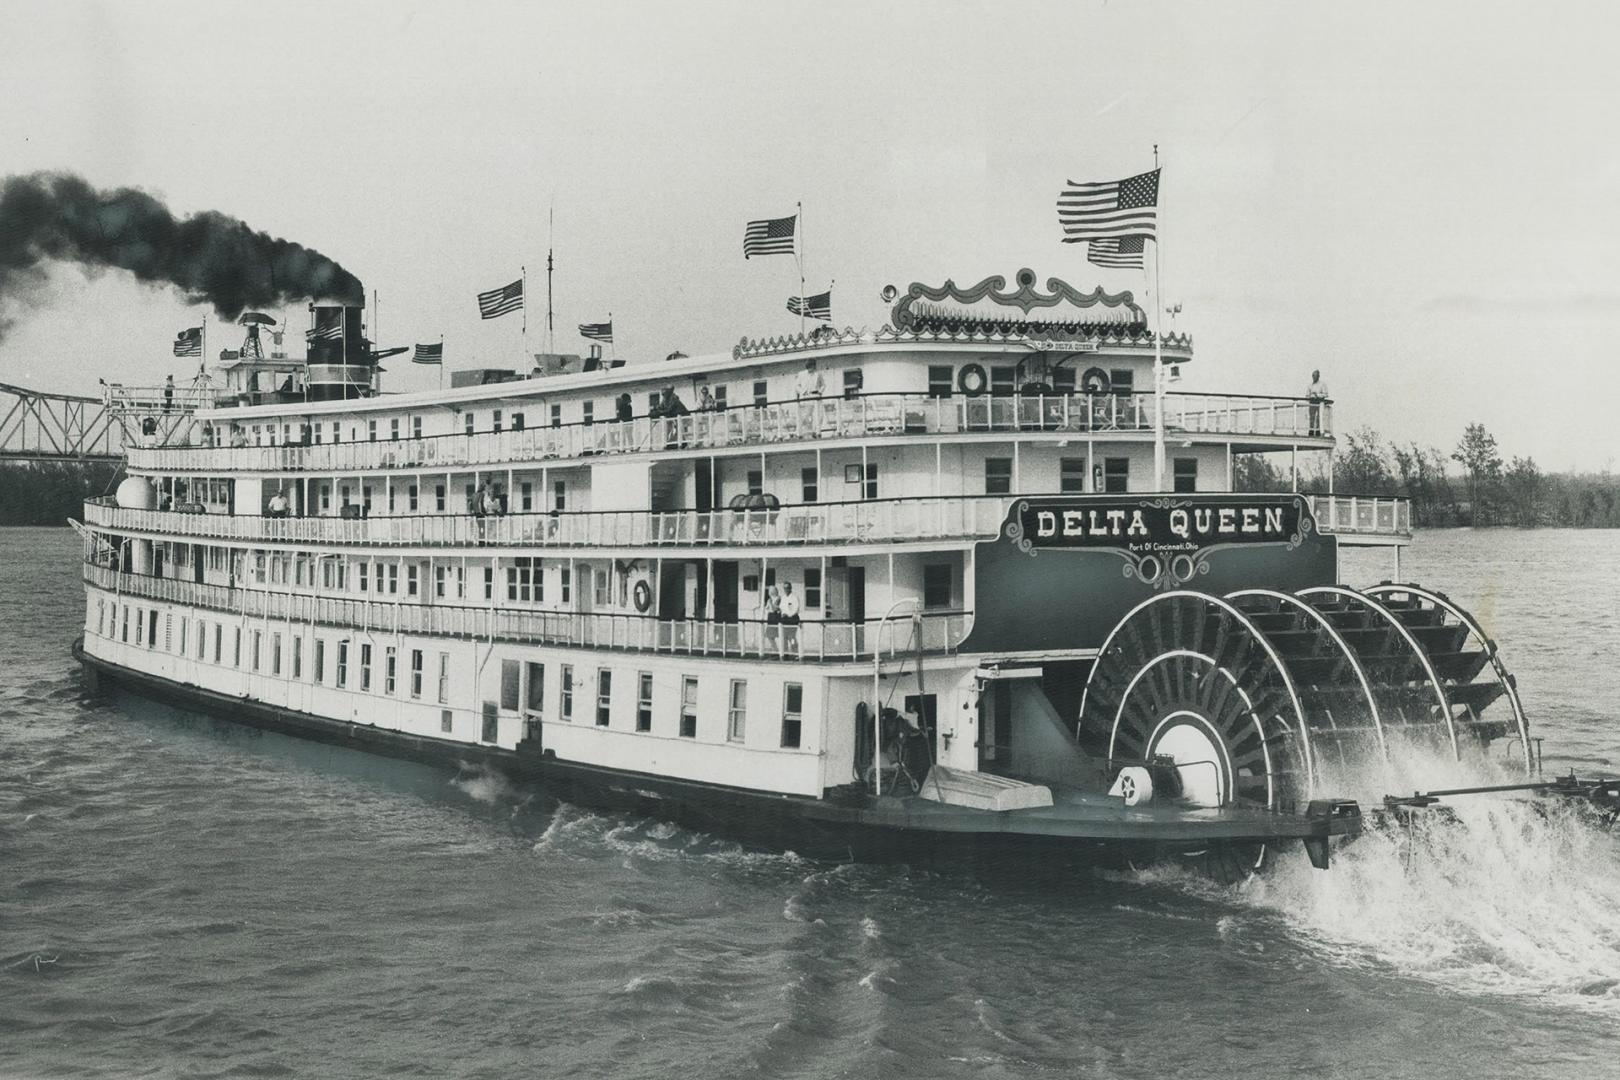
{"points": [[689, 568]]}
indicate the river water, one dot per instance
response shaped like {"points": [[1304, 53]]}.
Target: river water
{"points": [[183, 897]]}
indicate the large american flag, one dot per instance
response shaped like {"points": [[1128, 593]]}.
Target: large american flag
{"points": [[429, 354], [769, 236], [818, 306], [1123, 251], [188, 342], [597, 331], [497, 302], [1114, 209]]}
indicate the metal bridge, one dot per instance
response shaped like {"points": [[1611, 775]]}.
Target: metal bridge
{"points": [[39, 427]]}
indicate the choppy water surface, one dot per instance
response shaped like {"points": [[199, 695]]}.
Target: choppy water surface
{"points": [[183, 897]]}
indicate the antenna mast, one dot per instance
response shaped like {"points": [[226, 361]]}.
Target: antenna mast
{"points": [[551, 344]]}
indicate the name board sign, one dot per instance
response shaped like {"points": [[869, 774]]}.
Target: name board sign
{"points": [[1161, 525], [1064, 346], [1164, 539]]}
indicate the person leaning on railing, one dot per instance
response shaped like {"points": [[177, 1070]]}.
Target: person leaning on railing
{"points": [[1317, 395]]}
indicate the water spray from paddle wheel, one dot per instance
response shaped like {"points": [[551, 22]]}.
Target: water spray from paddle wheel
{"points": [[1268, 700]]}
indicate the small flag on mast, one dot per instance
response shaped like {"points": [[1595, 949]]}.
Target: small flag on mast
{"points": [[1125, 251], [597, 331], [188, 342], [769, 236], [497, 302], [818, 306], [1114, 209], [329, 332], [429, 354]]}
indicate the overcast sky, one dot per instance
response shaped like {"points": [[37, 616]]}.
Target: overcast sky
{"points": [[1419, 199]]}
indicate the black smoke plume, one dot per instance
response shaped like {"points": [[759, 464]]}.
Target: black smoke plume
{"points": [[210, 257]]}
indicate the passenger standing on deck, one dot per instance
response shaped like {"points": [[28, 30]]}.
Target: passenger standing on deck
{"points": [[1318, 395], [790, 618], [278, 504], [168, 392], [773, 620], [480, 497]]}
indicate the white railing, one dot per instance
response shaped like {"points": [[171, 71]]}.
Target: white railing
{"points": [[811, 640], [866, 416], [878, 520], [1363, 515]]}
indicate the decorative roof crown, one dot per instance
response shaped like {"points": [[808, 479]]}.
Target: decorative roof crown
{"points": [[988, 306]]}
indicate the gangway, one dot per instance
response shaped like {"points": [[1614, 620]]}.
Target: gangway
{"points": [[36, 426]]}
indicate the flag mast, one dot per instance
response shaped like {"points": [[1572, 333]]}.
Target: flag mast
{"points": [[799, 258], [551, 237], [1158, 355]]}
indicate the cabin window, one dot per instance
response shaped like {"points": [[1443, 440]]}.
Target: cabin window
{"points": [[337, 432], [416, 427], [320, 660], [565, 577], [520, 579], [410, 497], [182, 649], [998, 476], [495, 422], [939, 380], [600, 590], [1116, 474], [1003, 381], [371, 430], [762, 394], [393, 578], [689, 697], [343, 664], [588, 412], [1122, 380], [644, 706], [869, 490], [412, 574], [810, 487], [236, 647], [438, 497], [737, 711], [812, 588], [393, 429], [298, 656], [511, 679], [1072, 475], [756, 482], [937, 585], [792, 714], [559, 495], [854, 379], [365, 665], [445, 721], [416, 673], [518, 421], [438, 582], [1186, 476], [534, 698], [1063, 380], [556, 415], [219, 636], [257, 654], [526, 496], [604, 696], [567, 691], [467, 423], [390, 669], [720, 398], [489, 583]]}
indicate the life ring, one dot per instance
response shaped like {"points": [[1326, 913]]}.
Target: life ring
{"points": [[972, 380], [1094, 381], [642, 594]]}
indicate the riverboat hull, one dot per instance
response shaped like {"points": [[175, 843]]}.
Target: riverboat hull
{"points": [[1080, 831]]}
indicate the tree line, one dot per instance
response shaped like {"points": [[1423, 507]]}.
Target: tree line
{"points": [[1486, 489], [48, 493]]}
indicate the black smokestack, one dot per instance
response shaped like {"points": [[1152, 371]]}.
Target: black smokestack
{"points": [[211, 257]]}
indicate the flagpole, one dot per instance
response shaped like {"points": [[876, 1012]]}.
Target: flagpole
{"points": [[1158, 353], [613, 341], [441, 361], [551, 239], [799, 232]]}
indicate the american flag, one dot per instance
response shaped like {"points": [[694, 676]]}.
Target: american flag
{"points": [[818, 306], [769, 236], [498, 302], [1117, 251], [597, 331], [188, 342], [329, 332], [1115, 209], [429, 354]]}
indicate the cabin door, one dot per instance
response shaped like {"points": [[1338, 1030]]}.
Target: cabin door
{"points": [[725, 592], [197, 563], [857, 605], [672, 590]]}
